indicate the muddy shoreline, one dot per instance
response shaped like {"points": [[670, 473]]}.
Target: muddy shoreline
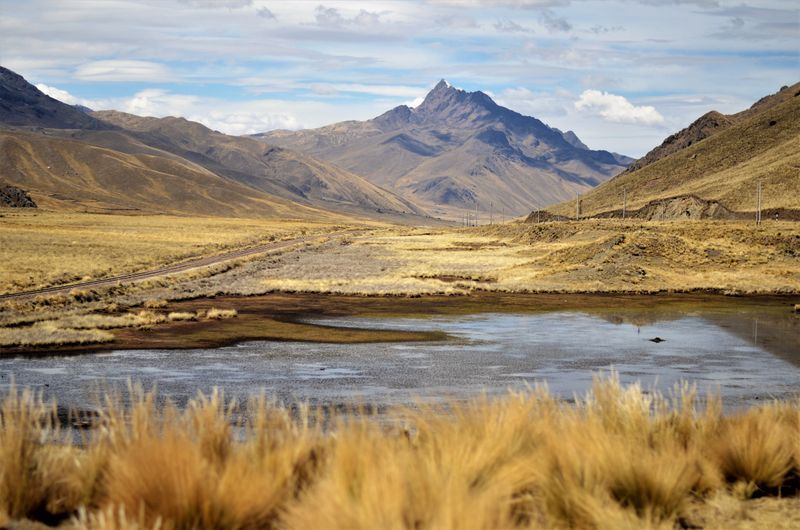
{"points": [[280, 316]]}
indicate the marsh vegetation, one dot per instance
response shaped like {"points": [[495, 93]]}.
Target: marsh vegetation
{"points": [[617, 458]]}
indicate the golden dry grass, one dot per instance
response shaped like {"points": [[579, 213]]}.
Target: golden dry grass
{"points": [[91, 328], [51, 333], [585, 256], [725, 167], [618, 458], [40, 248], [591, 256], [218, 314]]}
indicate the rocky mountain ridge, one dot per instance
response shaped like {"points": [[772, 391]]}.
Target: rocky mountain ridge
{"points": [[459, 150]]}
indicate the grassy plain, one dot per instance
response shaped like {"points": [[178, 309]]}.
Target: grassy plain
{"points": [[618, 458], [585, 256], [591, 256], [41, 248]]}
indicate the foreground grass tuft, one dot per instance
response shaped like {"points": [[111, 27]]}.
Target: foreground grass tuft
{"points": [[620, 458]]}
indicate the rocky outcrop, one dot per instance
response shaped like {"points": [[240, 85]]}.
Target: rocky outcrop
{"points": [[11, 197], [683, 207], [676, 208]]}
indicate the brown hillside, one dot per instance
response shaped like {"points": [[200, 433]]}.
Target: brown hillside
{"points": [[171, 152], [710, 124], [277, 171], [763, 145], [71, 175], [23, 105]]}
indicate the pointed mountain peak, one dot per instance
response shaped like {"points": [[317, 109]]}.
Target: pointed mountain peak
{"points": [[445, 102], [442, 85]]}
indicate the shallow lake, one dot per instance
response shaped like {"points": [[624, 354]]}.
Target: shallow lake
{"points": [[748, 354]]}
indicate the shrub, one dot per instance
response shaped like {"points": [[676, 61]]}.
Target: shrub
{"points": [[178, 316], [219, 314], [155, 304]]}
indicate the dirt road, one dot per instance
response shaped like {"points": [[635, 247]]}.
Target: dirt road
{"points": [[169, 269]]}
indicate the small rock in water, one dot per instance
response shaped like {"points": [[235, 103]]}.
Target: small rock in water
{"points": [[657, 340]]}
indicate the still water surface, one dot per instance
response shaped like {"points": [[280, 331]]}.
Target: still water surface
{"points": [[742, 355]]}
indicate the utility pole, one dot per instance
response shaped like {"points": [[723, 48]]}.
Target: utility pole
{"points": [[624, 201], [538, 215], [577, 208], [491, 213], [758, 203], [476, 213]]}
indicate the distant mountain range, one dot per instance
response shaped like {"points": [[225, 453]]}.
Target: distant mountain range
{"points": [[460, 150], [67, 157], [454, 152], [712, 167]]}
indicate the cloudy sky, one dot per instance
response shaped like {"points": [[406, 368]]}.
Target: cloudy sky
{"points": [[622, 74]]}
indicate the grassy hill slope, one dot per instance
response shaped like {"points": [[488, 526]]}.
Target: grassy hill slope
{"points": [[725, 167], [71, 175], [277, 171]]}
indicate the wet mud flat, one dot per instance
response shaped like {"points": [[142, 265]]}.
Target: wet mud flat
{"points": [[336, 352], [289, 317]]}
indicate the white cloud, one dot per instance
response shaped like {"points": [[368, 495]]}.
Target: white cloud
{"points": [[264, 12], [500, 3], [158, 102], [244, 122], [61, 95], [553, 23], [65, 97], [617, 109], [509, 26], [536, 104], [456, 21], [330, 16], [378, 90], [228, 4], [122, 70]]}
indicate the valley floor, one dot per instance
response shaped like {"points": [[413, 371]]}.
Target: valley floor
{"points": [[42, 249], [621, 459]]}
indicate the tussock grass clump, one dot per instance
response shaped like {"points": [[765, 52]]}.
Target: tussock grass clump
{"points": [[218, 314], [154, 303], [759, 448], [142, 318], [80, 329], [619, 458], [181, 316], [50, 333]]}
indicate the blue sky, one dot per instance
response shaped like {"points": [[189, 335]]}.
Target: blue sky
{"points": [[622, 74]]}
